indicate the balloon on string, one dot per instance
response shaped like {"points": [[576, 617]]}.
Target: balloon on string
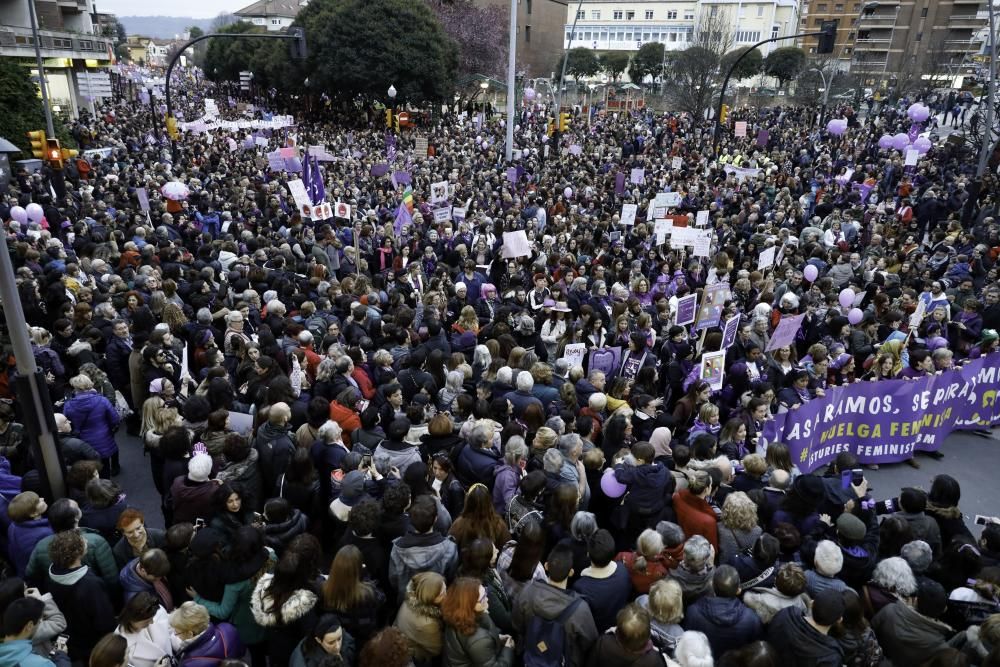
{"points": [[922, 145], [568, 192], [918, 113], [810, 273], [529, 94], [35, 212], [855, 316], [18, 214], [612, 487], [885, 141], [846, 297], [901, 141]]}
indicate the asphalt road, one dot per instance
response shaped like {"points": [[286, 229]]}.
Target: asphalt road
{"points": [[968, 457]]}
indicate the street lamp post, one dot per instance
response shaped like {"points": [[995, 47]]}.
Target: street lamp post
{"points": [[152, 112], [484, 86], [825, 90], [392, 106]]}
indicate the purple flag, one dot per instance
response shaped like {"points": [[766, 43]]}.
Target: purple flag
{"points": [[402, 178], [403, 218], [512, 175], [619, 183], [379, 170], [317, 191], [293, 164]]}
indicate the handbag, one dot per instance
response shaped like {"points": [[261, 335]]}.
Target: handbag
{"points": [[122, 406]]}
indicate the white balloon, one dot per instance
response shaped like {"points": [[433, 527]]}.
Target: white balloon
{"points": [[568, 192], [35, 212]]}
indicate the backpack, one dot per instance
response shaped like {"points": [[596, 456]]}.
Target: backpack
{"points": [[545, 640]]}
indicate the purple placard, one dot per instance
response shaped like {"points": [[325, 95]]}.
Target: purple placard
{"points": [[401, 178], [379, 170], [512, 174], [729, 331], [293, 165], [885, 422], [687, 306], [762, 138], [605, 359], [275, 162], [784, 333], [619, 183], [713, 300]]}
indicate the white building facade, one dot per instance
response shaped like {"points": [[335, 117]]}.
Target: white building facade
{"points": [[753, 21], [626, 26]]}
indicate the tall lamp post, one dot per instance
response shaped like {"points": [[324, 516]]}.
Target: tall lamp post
{"points": [[392, 106], [484, 86], [152, 112], [825, 90]]}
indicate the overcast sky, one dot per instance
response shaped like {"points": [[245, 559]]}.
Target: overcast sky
{"points": [[199, 9]]}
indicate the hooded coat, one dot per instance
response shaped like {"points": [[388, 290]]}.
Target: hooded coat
{"points": [[540, 598], [413, 553], [422, 626], [297, 618], [84, 600], [907, 636], [95, 419], [800, 644], [728, 623]]}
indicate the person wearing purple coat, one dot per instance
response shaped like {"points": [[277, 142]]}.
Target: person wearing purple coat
{"points": [[28, 527], [203, 642], [95, 419]]}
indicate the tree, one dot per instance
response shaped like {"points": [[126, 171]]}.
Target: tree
{"points": [[750, 66], [27, 114], [222, 20], [480, 34], [693, 74], [199, 49], [648, 61], [361, 47], [614, 64], [784, 64], [226, 58], [581, 62]]}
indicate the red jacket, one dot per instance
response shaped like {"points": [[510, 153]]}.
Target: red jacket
{"points": [[348, 419], [696, 517], [365, 384]]}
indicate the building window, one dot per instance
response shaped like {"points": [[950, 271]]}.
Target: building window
{"points": [[714, 12], [617, 15], [581, 15], [689, 16], [747, 36], [671, 15], [920, 36], [649, 14], [838, 8], [673, 37], [527, 34], [527, 4], [275, 21], [760, 10], [817, 22], [774, 32], [821, 7], [848, 50], [923, 12], [86, 45], [629, 16], [856, 8], [595, 14]]}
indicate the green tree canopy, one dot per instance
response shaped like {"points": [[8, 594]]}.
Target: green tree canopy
{"points": [[784, 64], [614, 63], [226, 58], [581, 62], [25, 114], [751, 65], [648, 61]]}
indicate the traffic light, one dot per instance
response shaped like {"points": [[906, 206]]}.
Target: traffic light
{"points": [[564, 120], [725, 114], [298, 45], [551, 130], [395, 123], [388, 117], [172, 128], [68, 153], [828, 37], [37, 139], [53, 154]]}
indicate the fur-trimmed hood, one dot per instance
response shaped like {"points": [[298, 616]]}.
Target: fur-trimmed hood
{"points": [[298, 605], [944, 512], [418, 607], [77, 347]]}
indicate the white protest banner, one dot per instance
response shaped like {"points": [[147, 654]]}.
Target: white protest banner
{"points": [[342, 210], [574, 354], [676, 163], [638, 176], [439, 192], [275, 162], [260, 141], [701, 220], [712, 369], [912, 156], [301, 197], [702, 245], [740, 129], [661, 228], [515, 244], [741, 172], [766, 259], [628, 214], [682, 236], [458, 214], [420, 147], [576, 149], [918, 315], [442, 214], [241, 422], [668, 199]]}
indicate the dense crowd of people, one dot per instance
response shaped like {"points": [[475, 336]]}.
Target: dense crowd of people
{"points": [[372, 448]]}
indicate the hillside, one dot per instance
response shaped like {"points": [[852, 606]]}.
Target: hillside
{"points": [[164, 27]]}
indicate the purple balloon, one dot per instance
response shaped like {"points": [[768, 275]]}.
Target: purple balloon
{"points": [[18, 214], [918, 113], [35, 212], [922, 145], [529, 94], [837, 126], [855, 316], [901, 141], [846, 297], [885, 141], [612, 487], [810, 273]]}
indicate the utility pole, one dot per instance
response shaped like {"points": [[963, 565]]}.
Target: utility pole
{"points": [[562, 75], [50, 128], [987, 147], [508, 151]]}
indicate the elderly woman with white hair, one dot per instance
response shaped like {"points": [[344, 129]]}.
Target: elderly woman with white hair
{"points": [[693, 650], [891, 581], [96, 421], [199, 640]]}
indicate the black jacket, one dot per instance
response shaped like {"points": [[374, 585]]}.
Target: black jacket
{"points": [[801, 645], [84, 600]]}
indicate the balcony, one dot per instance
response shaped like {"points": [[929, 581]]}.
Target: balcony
{"points": [[869, 66], [973, 21], [16, 42], [961, 45], [876, 21], [872, 44]]}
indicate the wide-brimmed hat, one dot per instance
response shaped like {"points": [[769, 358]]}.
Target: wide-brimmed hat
{"points": [[561, 307]]}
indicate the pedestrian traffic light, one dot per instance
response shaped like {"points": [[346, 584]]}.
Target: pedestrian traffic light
{"points": [[172, 128], [828, 36], [37, 138], [53, 154], [564, 120], [68, 153], [298, 46], [388, 117], [725, 114]]}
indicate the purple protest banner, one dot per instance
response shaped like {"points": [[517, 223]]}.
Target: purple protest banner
{"points": [[713, 300], [762, 138], [687, 306], [729, 331], [275, 162], [379, 170], [619, 183], [885, 422], [402, 178], [512, 175], [605, 359], [293, 165], [784, 333]]}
